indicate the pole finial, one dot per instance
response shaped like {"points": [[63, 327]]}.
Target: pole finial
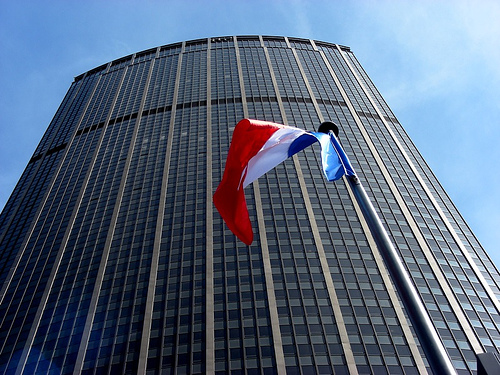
{"points": [[326, 126]]}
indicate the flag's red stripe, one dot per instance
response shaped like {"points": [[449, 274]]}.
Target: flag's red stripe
{"points": [[248, 138]]}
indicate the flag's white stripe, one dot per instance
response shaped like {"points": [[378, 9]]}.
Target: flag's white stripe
{"points": [[274, 151]]}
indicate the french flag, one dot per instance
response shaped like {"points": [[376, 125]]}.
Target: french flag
{"points": [[256, 148]]}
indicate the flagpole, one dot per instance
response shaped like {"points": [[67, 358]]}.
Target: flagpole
{"points": [[434, 350]]}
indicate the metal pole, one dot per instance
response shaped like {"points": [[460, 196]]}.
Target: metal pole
{"points": [[434, 350]]}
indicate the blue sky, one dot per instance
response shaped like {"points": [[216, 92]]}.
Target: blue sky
{"points": [[437, 64]]}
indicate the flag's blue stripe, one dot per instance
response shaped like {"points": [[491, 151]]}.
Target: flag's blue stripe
{"points": [[301, 143], [333, 167]]}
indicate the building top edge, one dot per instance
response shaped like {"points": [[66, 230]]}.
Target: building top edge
{"points": [[201, 41]]}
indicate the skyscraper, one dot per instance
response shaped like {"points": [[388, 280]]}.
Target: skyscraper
{"points": [[113, 259]]}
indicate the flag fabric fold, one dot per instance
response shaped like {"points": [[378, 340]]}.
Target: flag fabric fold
{"points": [[256, 148]]}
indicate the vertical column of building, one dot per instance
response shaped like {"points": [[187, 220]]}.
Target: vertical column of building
{"points": [[180, 293], [193, 144], [162, 179], [242, 328], [273, 312], [209, 265], [160, 120], [177, 340]]}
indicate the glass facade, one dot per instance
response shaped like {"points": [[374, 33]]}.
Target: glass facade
{"points": [[114, 260]]}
